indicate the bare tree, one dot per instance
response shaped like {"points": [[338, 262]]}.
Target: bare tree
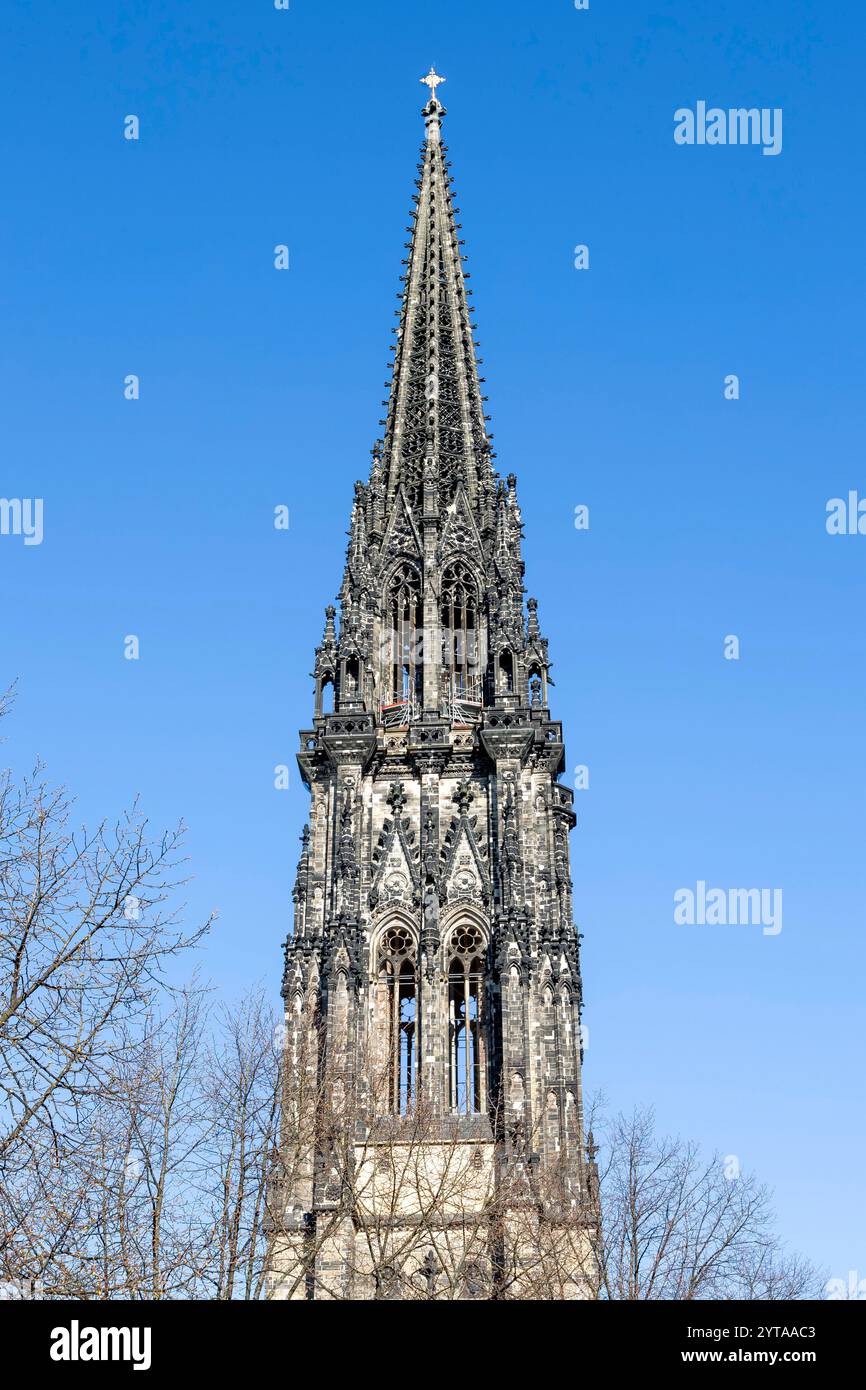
{"points": [[404, 1208], [414, 1205], [167, 1126], [676, 1225], [86, 931], [242, 1085], [153, 1148]]}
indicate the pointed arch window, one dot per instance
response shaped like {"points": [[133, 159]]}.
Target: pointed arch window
{"points": [[403, 682], [536, 681], [506, 672], [325, 694], [466, 1020], [398, 976], [350, 690], [459, 623]]}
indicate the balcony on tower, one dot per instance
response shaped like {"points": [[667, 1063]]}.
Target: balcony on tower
{"points": [[464, 696]]}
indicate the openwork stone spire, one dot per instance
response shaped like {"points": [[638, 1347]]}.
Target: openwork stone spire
{"points": [[435, 420]]}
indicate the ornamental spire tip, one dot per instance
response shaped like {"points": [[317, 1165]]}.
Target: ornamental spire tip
{"points": [[432, 80], [434, 110]]}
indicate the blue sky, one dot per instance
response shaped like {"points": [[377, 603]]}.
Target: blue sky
{"points": [[261, 127]]}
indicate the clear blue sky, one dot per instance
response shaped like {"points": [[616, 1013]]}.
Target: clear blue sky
{"points": [[606, 388]]}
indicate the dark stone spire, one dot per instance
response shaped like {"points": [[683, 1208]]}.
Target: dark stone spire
{"points": [[435, 405]]}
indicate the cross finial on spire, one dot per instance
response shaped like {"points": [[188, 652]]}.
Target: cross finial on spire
{"points": [[432, 80]]}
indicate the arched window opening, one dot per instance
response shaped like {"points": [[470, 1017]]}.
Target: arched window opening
{"points": [[397, 971], [351, 679], [465, 1020], [326, 695], [403, 677], [459, 622], [535, 681], [506, 672]]}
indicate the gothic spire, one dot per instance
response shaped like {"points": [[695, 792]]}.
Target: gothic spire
{"points": [[435, 424], [433, 971]]}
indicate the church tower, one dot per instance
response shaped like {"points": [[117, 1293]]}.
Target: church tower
{"points": [[433, 1134]]}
